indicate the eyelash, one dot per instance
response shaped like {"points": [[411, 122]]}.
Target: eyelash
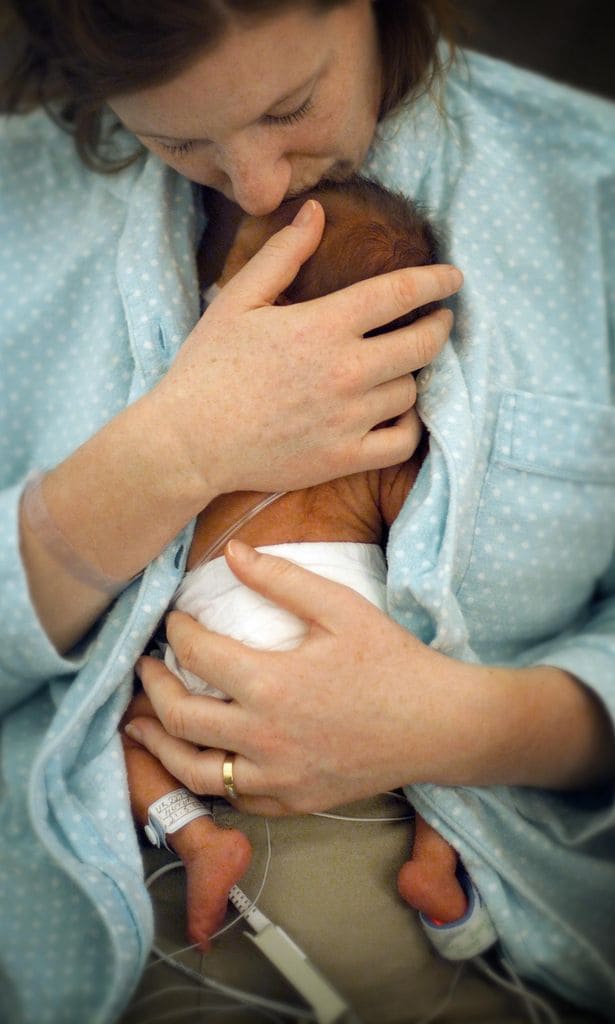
{"points": [[284, 121], [178, 148]]}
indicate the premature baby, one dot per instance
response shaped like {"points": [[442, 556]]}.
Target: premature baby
{"points": [[338, 529]]}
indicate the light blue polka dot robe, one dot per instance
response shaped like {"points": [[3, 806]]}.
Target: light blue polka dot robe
{"points": [[503, 552]]}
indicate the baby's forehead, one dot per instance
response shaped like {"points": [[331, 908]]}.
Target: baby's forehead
{"points": [[339, 203]]}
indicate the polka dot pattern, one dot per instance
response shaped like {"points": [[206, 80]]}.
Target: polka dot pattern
{"points": [[507, 538], [98, 286]]}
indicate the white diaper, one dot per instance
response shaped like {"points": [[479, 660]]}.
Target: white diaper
{"points": [[216, 598]]}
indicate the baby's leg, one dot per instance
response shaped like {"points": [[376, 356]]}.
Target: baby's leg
{"points": [[214, 858], [428, 881]]}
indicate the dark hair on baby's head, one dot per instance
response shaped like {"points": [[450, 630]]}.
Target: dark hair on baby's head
{"points": [[369, 230]]}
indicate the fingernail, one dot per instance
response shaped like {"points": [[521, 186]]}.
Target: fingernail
{"points": [[456, 277], [240, 552], [134, 733], [303, 218]]}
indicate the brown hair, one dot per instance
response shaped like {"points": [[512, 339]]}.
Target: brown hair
{"points": [[369, 230], [70, 55]]}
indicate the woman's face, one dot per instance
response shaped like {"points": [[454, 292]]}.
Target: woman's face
{"points": [[273, 109]]}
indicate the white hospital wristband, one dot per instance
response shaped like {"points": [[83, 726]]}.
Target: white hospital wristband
{"points": [[172, 812]]}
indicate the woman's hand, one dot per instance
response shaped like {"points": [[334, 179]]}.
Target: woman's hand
{"points": [[264, 397], [304, 723], [359, 707]]}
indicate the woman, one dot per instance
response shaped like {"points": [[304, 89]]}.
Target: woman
{"points": [[490, 697]]}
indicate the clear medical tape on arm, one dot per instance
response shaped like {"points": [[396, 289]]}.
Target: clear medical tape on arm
{"points": [[40, 520]]}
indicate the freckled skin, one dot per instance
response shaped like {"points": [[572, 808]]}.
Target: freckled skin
{"points": [[358, 508]]}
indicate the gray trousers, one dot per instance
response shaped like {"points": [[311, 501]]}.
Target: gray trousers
{"points": [[332, 886]]}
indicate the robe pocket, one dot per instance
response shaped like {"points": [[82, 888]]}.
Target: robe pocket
{"points": [[545, 525], [556, 438]]}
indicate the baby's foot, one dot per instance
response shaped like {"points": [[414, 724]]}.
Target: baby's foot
{"points": [[431, 886], [212, 868]]}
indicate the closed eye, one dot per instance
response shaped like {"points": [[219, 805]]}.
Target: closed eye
{"points": [[281, 120], [285, 120], [178, 147]]}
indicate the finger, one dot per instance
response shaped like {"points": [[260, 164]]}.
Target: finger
{"points": [[140, 705], [370, 304], [199, 770], [264, 806], [248, 783], [392, 445], [222, 661], [206, 721], [273, 268], [388, 401], [306, 594], [399, 353]]}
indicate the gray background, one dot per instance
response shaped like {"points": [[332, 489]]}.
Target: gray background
{"points": [[569, 40]]}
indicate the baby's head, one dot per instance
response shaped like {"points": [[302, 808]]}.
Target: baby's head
{"points": [[368, 231]]}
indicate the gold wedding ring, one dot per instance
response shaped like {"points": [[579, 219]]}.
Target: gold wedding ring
{"points": [[227, 776]]}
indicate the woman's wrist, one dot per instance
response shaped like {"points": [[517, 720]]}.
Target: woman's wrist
{"points": [[114, 504], [123, 495], [38, 522], [188, 443], [565, 736]]}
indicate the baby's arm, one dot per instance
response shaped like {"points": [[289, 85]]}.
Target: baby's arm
{"points": [[396, 482]]}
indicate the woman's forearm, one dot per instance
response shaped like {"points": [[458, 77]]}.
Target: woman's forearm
{"points": [[117, 501], [536, 726]]}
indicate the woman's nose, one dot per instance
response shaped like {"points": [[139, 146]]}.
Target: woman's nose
{"points": [[259, 183]]}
